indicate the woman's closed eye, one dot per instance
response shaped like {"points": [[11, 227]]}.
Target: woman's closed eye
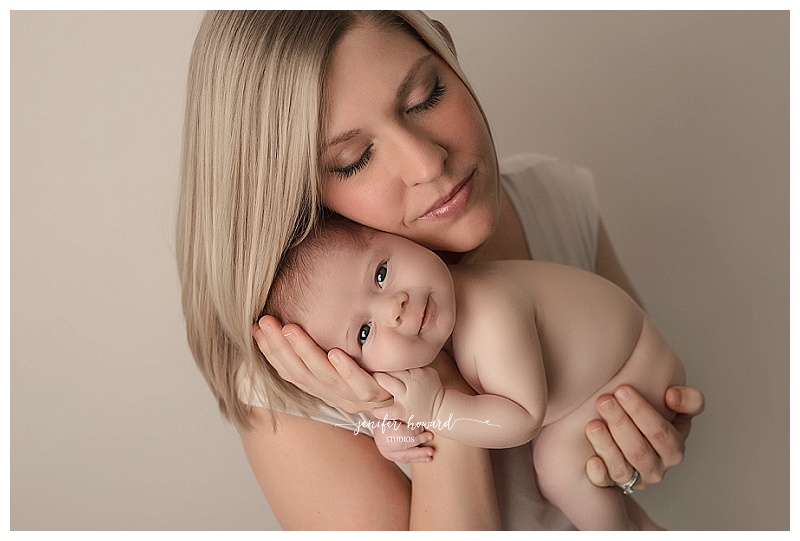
{"points": [[356, 166], [431, 101]]}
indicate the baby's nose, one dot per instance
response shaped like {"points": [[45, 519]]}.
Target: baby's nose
{"points": [[394, 309]]}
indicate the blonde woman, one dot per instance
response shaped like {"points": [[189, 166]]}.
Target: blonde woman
{"points": [[367, 114]]}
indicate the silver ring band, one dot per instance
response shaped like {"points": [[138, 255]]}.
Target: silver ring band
{"points": [[627, 488]]}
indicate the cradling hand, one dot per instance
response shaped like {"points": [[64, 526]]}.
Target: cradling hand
{"points": [[633, 434], [334, 377]]}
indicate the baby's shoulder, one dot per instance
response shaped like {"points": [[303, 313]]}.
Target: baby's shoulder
{"points": [[496, 290], [514, 276]]}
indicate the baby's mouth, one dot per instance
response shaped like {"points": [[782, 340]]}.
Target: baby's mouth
{"points": [[426, 316]]}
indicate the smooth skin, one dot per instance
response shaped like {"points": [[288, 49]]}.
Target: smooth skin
{"points": [[410, 152]]}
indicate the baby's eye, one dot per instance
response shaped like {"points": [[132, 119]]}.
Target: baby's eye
{"points": [[363, 333], [380, 275]]}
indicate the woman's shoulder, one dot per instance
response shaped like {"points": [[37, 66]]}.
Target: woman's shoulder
{"points": [[549, 171], [557, 207]]}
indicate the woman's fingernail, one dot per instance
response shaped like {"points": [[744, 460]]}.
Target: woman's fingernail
{"points": [[622, 393], [677, 397], [266, 327], [333, 358], [607, 406]]}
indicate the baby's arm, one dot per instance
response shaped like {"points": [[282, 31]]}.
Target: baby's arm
{"points": [[506, 357]]}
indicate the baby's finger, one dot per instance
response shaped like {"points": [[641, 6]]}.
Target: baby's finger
{"points": [[414, 454], [421, 439]]}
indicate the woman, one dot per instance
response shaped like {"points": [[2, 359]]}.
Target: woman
{"points": [[368, 115]]}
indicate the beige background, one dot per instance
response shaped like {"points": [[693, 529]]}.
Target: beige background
{"points": [[682, 117]]}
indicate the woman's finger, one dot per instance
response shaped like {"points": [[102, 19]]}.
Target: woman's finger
{"points": [[336, 379], [315, 359], [390, 383], [686, 400], [392, 413], [662, 437], [630, 440], [356, 393], [615, 468], [294, 355], [597, 473], [279, 352], [364, 387]]}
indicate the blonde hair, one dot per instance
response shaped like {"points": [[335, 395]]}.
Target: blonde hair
{"points": [[250, 178]]}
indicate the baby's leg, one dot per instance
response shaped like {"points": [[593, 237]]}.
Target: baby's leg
{"points": [[560, 453]]}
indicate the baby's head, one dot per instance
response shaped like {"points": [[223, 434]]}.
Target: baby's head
{"points": [[386, 301]]}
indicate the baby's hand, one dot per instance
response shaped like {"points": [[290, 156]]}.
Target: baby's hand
{"points": [[416, 392], [404, 445]]}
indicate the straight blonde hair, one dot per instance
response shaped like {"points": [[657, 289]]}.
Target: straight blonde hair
{"points": [[250, 179]]}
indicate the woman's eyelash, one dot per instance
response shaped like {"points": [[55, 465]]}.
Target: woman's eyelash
{"points": [[431, 102], [358, 165], [433, 98]]}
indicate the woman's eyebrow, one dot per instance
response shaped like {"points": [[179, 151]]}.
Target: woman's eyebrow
{"points": [[402, 90], [342, 138], [411, 75]]}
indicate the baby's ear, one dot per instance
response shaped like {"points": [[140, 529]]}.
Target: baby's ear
{"points": [[446, 35]]}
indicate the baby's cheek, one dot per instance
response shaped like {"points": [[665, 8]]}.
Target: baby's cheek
{"points": [[368, 364]]}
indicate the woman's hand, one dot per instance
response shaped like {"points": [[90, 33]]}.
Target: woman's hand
{"points": [[335, 378], [635, 435]]}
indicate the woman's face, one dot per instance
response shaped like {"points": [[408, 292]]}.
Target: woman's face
{"points": [[406, 149]]}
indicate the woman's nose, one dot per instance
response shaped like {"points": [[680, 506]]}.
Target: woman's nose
{"points": [[419, 157]]}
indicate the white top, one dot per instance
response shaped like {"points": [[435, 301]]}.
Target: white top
{"points": [[557, 207]]}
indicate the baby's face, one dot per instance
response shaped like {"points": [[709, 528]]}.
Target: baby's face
{"points": [[390, 306]]}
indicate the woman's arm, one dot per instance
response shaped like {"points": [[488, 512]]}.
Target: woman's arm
{"points": [[320, 477], [455, 491], [634, 434], [317, 476]]}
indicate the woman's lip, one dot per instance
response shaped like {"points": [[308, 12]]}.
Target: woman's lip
{"points": [[451, 204]]}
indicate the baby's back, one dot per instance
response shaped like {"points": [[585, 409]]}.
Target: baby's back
{"points": [[588, 329]]}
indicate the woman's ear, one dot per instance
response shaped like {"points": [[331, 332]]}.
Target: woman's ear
{"points": [[446, 35]]}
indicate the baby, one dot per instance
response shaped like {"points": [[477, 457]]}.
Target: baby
{"points": [[538, 341]]}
